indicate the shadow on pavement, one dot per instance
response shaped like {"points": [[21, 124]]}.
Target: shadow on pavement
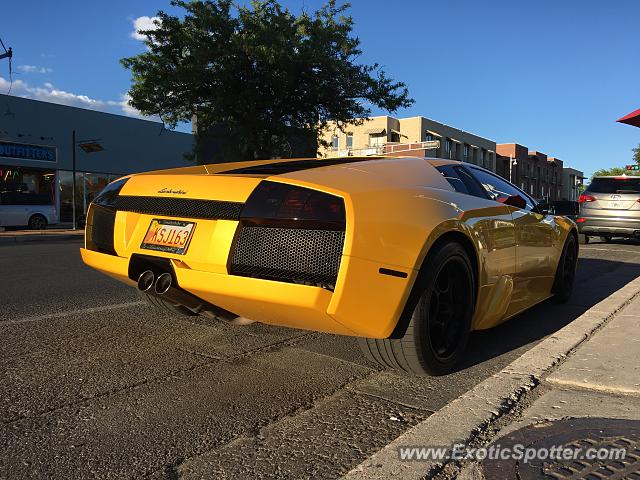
{"points": [[596, 280]]}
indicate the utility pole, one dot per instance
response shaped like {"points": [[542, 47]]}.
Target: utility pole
{"points": [[73, 188]]}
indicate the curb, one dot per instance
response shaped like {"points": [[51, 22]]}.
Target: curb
{"points": [[13, 239], [467, 416]]}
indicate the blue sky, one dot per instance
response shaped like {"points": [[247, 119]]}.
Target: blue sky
{"points": [[551, 75]]}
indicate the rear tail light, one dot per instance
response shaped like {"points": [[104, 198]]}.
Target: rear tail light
{"points": [[283, 202], [581, 220], [586, 198]]}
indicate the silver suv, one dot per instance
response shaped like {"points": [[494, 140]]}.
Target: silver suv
{"points": [[610, 207], [23, 209]]}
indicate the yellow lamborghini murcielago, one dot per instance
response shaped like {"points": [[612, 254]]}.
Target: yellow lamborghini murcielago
{"points": [[409, 254]]}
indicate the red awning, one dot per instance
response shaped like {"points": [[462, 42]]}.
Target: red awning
{"points": [[632, 119]]}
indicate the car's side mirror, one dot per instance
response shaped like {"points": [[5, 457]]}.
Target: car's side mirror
{"points": [[514, 200]]}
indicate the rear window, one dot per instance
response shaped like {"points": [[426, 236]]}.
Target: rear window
{"points": [[615, 185]]}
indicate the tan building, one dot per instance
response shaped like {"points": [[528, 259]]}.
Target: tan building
{"points": [[409, 136]]}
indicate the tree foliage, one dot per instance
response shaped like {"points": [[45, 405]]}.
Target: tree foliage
{"points": [[636, 154], [257, 75], [612, 171]]}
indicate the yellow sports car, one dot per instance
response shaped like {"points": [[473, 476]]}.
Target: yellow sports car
{"points": [[409, 254]]}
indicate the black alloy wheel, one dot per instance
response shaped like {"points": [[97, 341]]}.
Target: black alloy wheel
{"points": [[37, 222], [566, 272], [447, 309], [440, 317]]}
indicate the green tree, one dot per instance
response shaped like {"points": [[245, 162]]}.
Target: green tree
{"points": [[613, 171], [257, 76], [636, 154]]}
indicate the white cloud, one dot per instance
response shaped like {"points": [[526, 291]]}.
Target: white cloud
{"points": [[33, 69], [143, 23], [47, 92], [130, 111]]}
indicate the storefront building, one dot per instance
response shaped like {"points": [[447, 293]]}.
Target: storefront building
{"points": [[37, 142]]}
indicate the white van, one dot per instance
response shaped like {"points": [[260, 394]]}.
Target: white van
{"points": [[24, 209]]}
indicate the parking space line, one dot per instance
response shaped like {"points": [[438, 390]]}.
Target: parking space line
{"points": [[609, 249], [71, 312]]}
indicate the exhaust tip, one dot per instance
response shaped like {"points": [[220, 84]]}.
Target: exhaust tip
{"points": [[145, 280], [163, 283]]}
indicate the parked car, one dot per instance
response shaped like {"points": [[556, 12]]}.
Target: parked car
{"points": [[610, 207], [567, 208], [24, 209], [409, 254]]}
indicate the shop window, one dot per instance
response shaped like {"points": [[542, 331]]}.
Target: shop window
{"points": [[19, 179]]}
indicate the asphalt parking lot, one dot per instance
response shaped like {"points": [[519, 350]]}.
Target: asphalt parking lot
{"points": [[94, 383]]}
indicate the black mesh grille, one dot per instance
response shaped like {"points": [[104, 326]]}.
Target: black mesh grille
{"points": [[288, 255], [179, 207], [101, 230]]}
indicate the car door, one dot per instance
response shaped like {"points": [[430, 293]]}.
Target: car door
{"points": [[537, 241], [493, 228]]}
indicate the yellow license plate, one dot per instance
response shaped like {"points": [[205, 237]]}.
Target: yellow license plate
{"points": [[171, 236]]}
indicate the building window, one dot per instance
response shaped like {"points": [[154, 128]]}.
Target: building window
{"points": [[377, 140], [483, 157], [335, 143], [395, 137], [466, 152], [349, 140], [429, 137]]}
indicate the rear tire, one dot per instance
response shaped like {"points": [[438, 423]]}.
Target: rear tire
{"points": [[566, 271], [165, 306], [440, 321], [37, 222]]}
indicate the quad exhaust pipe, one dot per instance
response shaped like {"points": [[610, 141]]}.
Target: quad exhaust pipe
{"points": [[164, 287]]}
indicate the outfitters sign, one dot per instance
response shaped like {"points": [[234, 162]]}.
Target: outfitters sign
{"points": [[28, 152]]}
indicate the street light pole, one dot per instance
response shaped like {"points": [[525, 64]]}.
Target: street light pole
{"points": [[73, 188], [512, 162]]}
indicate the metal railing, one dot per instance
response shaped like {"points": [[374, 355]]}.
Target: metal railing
{"points": [[389, 147]]}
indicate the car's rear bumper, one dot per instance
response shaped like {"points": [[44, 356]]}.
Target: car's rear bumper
{"points": [[609, 226], [365, 302]]}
